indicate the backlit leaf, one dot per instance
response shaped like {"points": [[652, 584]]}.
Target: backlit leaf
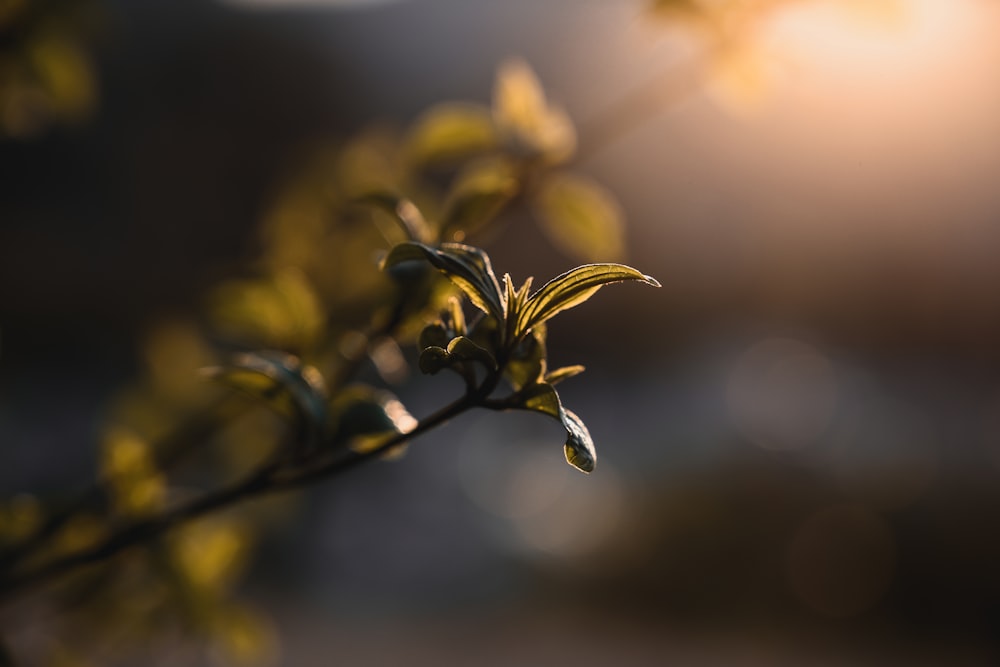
{"points": [[479, 192], [573, 288], [467, 267], [579, 447], [580, 217], [564, 373], [526, 119], [449, 133], [266, 375], [526, 365], [364, 416]]}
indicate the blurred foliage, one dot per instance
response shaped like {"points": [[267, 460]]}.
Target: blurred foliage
{"points": [[287, 378], [47, 74]]}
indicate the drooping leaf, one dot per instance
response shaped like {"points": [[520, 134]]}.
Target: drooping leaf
{"points": [[467, 267], [268, 375], [579, 447], [573, 288], [580, 217], [449, 133], [479, 192], [542, 397], [564, 373]]}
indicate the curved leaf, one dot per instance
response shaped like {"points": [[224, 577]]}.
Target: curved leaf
{"points": [[579, 447], [564, 373], [467, 267], [365, 416], [303, 383], [466, 350], [573, 288]]}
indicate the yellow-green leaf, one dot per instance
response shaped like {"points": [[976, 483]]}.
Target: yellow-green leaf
{"points": [[580, 217], [467, 267], [449, 133], [579, 447], [564, 373], [524, 116], [573, 288], [479, 192]]}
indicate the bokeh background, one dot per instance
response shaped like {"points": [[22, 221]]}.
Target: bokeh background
{"points": [[799, 435]]}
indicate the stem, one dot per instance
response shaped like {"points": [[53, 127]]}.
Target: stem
{"points": [[263, 481]]}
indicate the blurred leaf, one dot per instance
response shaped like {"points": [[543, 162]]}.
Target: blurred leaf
{"points": [[127, 466], [478, 194], [210, 553], [369, 164], [263, 374], [530, 125], [467, 267], [403, 211], [433, 359], [580, 217], [66, 75], [449, 133], [280, 311], [573, 288], [245, 637], [364, 416], [19, 517]]}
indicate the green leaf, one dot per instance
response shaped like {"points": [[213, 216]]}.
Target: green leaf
{"points": [[542, 398], [364, 416], [467, 267], [573, 288], [267, 375], [579, 447], [564, 373], [433, 359], [526, 365], [403, 211], [459, 351], [466, 350], [528, 122], [449, 133], [480, 191], [580, 217]]}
